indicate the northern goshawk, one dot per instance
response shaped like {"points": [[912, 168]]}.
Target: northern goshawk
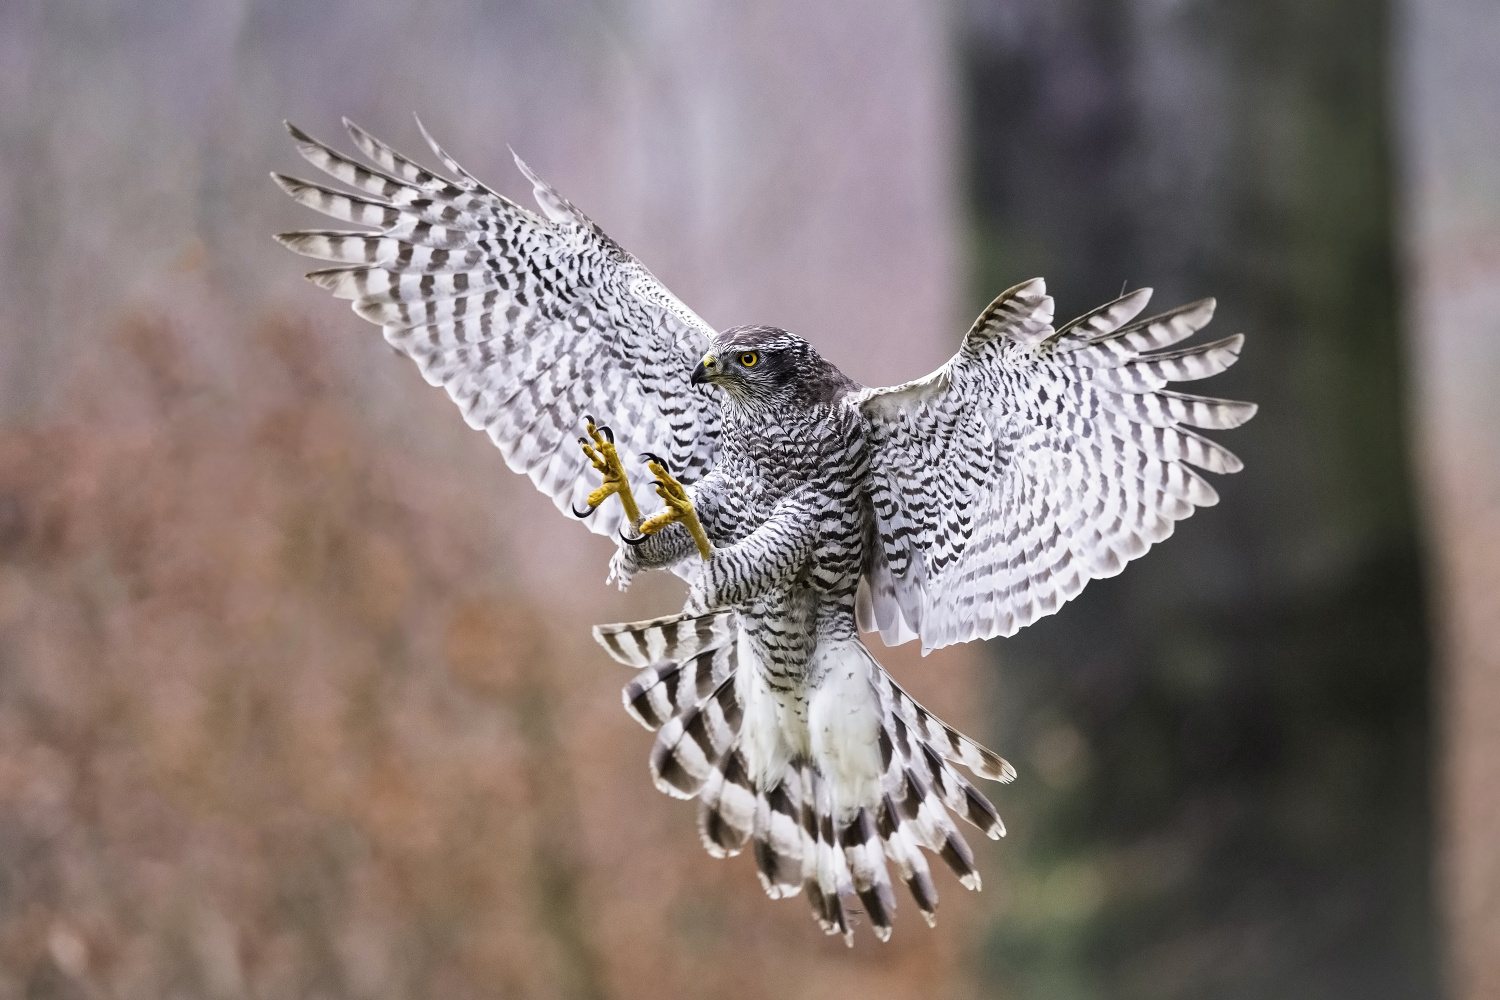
{"points": [[801, 507]]}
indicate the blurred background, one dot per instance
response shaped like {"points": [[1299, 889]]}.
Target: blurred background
{"points": [[297, 697]]}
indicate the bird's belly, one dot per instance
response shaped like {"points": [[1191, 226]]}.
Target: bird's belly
{"points": [[826, 711]]}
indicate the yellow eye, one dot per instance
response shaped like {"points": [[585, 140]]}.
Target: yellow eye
{"points": [[749, 359]]}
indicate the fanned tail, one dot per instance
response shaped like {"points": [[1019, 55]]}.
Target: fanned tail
{"points": [[871, 780]]}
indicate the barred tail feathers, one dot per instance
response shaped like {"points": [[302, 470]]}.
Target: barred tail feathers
{"points": [[868, 778]]}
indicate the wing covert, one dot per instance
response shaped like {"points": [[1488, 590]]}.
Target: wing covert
{"points": [[1034, 461], [528, 322]]}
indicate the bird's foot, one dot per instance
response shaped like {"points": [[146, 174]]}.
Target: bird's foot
{"points": [[679, 507], [599, 446]]}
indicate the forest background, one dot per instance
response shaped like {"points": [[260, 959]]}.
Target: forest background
{"points": [[297, 696]]}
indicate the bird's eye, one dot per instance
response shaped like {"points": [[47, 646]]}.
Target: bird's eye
{"points": [[749, 359]]}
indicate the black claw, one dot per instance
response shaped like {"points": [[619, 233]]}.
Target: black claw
{"points": [[581, 514], [608, 434], [588, 418], [632, 541], [648, 457]]}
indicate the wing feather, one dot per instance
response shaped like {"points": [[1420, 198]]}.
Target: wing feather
{"points": [[529, 322], [1034, 461]]}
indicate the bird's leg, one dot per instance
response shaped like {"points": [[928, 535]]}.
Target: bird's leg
{"points": [[679, 508], [599, 446]]}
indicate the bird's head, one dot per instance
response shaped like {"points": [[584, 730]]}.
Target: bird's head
{"points": [[761, 366]]}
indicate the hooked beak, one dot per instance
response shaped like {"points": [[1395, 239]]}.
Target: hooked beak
{"points": [[708, 367]]}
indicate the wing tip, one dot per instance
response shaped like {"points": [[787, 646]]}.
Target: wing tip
{"points": [[1032, 289], [427, 137], [526, 171], [1227, 462], [361, 137], [302, 138], [1196, 314], [326, 278]]}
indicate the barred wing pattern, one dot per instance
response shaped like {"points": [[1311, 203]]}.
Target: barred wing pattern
{"points": [[1034, 461], [528, 322]]}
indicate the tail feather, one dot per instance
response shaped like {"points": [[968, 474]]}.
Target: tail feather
{"points": [[909, 861], [664, 690], [832, 873], [778, 837], [956, 853], [827, 823], [960, 796], [948, 741], [690, 745], [811, 855], [674, 637], [935, 831], [865, 856], [726, 811]]}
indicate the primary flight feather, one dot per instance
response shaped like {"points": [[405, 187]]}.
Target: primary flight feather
{"points": [[802, 507]]}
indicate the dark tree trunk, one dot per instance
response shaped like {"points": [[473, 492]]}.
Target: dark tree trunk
{"points": [[1228, 775]]}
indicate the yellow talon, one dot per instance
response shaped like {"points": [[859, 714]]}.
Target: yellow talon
{"points": [[602, 453], [679, 508]]}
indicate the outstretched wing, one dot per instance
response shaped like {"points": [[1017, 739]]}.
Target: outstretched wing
{"points": [[529, 322], [1034, 461]]}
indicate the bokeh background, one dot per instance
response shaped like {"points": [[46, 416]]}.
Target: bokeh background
{"points": [[297, 697]]}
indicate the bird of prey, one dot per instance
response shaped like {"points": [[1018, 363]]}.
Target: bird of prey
{"points": [[802, 507]]}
